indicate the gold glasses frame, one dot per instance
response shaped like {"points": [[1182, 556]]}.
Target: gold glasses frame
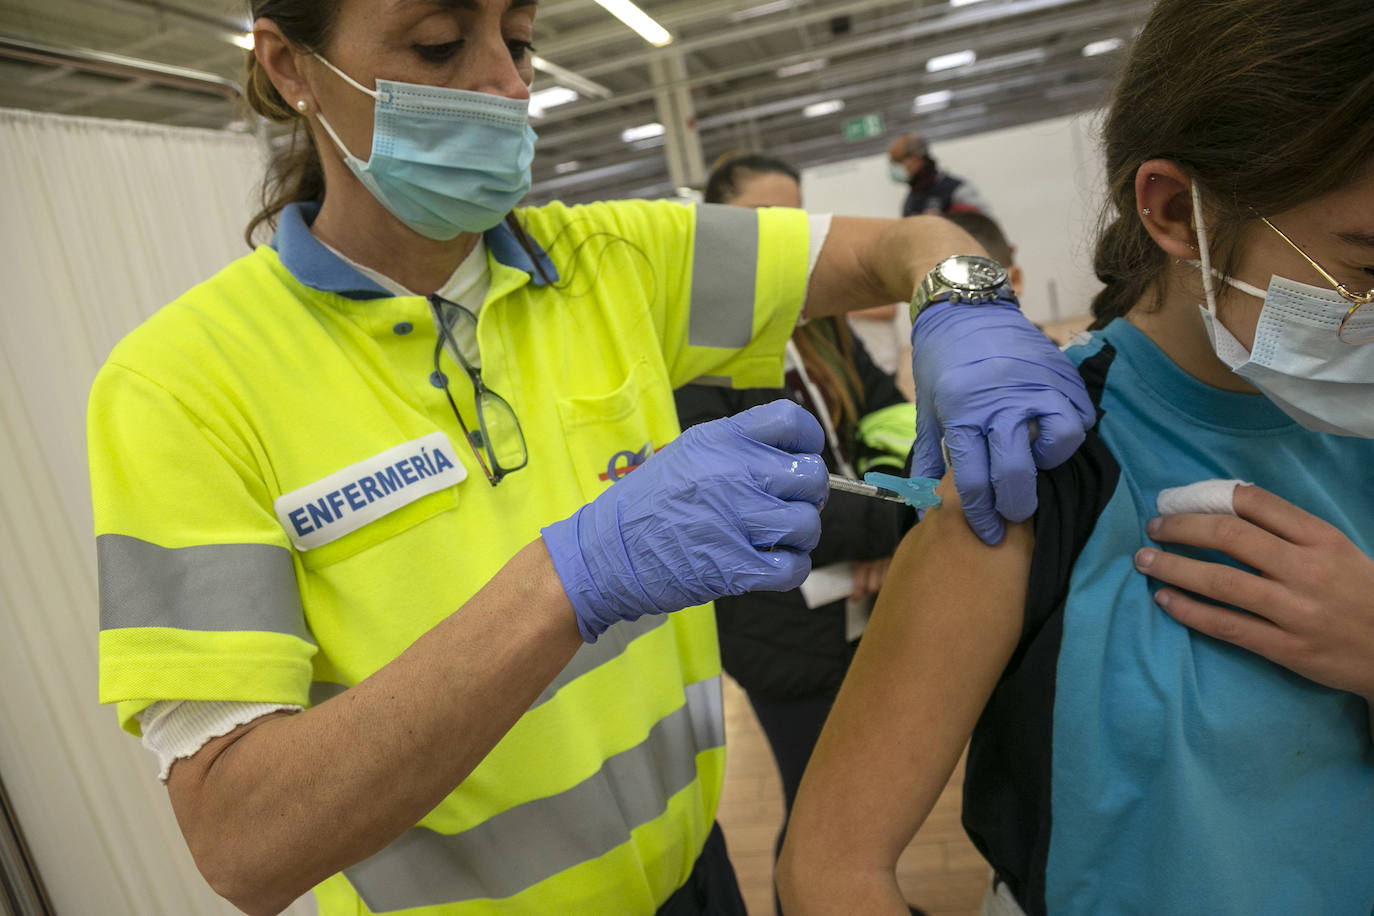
{"points": [[1359, 300]]}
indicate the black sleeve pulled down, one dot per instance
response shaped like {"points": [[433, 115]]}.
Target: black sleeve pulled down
{"points": [[1007, 811]]}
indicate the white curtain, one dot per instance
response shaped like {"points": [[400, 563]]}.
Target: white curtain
{"points": [[101, 223]]}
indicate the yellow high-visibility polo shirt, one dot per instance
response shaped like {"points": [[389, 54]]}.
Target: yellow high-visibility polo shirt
{"points": [[284, 502]]}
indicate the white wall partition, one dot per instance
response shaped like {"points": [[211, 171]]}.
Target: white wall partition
{"points": [[1042, 181], [101, 223]]}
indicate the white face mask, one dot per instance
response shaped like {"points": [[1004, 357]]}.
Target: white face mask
{"points": [[1297, 361]]}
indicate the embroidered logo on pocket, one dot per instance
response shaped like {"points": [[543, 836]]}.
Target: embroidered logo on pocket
{"points": [[346, 500], [622, 463]]}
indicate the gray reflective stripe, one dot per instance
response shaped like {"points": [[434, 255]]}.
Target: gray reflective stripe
{"points": [[724, 266], [528, 843], [715, 381], [594, 655], [707, 706], [216, 587]]}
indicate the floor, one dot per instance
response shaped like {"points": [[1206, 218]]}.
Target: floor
{"points": [[940, 871]]}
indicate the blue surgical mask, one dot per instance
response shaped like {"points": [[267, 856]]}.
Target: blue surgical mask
{"points": [[443, 161], [1297, 360], [897, 172]]}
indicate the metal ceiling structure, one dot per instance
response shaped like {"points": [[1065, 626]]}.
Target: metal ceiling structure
{"points": [[811, 81]]}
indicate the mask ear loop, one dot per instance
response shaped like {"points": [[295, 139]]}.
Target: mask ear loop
{"points": [[1204, 255], [345, 77], [324, 122]]}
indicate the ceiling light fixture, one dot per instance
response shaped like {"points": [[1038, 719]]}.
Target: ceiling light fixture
{"points": [[1030, 57], [1105, 46], [563, 168], [642, 132], [244, 40], [637, 19], [763, 9], [820, 109], [809, 66], [552, 97], [932, 101], [569, 78], [950, 61]]}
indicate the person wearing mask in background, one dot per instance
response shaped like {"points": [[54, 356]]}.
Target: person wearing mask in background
{"points": [[378, 586], [790, 654], [1121, 762], [932, 190]]}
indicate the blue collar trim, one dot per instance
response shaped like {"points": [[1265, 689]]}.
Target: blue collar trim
{"points": [[313, 264]]}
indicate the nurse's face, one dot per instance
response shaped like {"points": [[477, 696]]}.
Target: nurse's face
{"points": [[476, 45]]}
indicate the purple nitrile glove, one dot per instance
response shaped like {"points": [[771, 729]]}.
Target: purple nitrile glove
{"points": [[729, 507], [984, 374]]}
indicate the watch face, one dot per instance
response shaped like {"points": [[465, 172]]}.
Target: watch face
{"points": [[972, 272]]}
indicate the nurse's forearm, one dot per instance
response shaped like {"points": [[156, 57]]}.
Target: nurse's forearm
{"points": [[277, 806], [868, 262]]}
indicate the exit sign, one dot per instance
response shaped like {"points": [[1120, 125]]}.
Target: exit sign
{"points": [[863, 128]]}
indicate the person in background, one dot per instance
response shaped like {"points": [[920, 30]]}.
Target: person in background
{"points": [[788, 652], [931, 190], [1121, 762], [885, 329]]}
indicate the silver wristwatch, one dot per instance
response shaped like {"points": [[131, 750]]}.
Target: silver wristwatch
{"points": [[966, 278]]}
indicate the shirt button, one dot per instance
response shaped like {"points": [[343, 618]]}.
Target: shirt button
{"points": [[402, 327]]}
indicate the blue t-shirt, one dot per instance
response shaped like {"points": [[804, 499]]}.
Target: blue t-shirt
{"points": [[1127, 764]]}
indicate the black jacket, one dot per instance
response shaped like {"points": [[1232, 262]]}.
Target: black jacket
{"points": [[771, 642]]}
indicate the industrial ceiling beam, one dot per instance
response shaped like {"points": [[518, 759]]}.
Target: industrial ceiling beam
{"points": [[1026, 33], [120, 66]]}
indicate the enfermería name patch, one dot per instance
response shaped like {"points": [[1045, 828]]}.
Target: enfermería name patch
{"points": [[346, 500]]}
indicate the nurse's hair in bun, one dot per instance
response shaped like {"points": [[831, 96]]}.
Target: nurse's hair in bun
{"points": [[1267, 104]]}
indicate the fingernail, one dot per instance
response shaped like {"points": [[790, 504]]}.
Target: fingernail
{"points": [[1152, 526], [1163, 597], [1145, 558]]}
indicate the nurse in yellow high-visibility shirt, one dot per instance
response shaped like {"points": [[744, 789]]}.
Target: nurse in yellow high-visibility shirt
{"points": [[320, 480]]}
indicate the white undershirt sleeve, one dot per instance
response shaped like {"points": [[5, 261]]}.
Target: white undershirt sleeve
{"points": [[819, 229], [173, 729]]}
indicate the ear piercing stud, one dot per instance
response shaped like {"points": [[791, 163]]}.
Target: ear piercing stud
{"points": [[1145, 212], [302, 106]]}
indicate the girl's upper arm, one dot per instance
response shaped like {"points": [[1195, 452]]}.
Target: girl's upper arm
{"points": [[946, 623]]}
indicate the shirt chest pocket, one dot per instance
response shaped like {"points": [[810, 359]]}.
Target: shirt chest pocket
{"points": [[608, 436]]}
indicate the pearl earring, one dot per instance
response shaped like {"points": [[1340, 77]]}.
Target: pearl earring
{"points": [[302, 106]]}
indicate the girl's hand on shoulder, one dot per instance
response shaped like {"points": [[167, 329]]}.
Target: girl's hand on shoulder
{"points": [[1311, 597]]}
